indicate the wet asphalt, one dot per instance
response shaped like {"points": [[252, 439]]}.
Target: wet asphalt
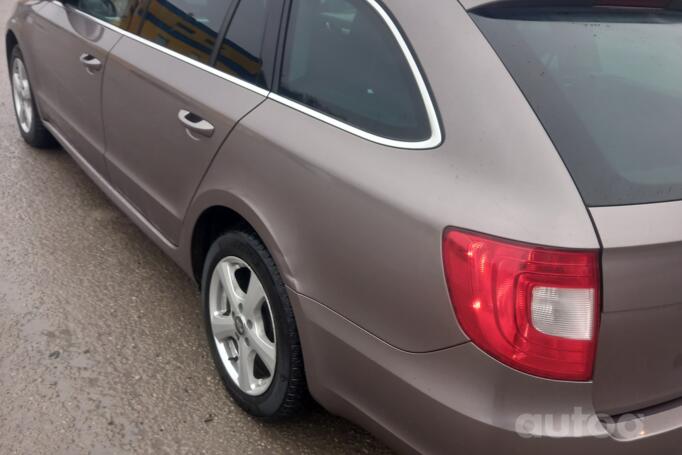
{"points": [[102, 344]]}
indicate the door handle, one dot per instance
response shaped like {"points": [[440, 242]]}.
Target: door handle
{"points": [[92, 64], [195, 124]]}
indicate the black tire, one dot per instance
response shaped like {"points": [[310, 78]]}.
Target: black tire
{"points": [[38, 136], [287, 395]]}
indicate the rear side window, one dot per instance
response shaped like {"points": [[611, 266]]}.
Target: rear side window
{"points": [[605, 83], [246, 52], [341, 59], [189, 27]]}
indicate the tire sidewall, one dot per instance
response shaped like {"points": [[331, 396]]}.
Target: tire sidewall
{"points": [[242, 245]]}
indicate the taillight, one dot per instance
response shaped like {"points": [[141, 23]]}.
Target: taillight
{"points": [[533, 308]]}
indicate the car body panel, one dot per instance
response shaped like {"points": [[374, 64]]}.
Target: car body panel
{"points": [[505, 177], [639, 361], [157, 164], [457, 400], [345, 242], [70, 97], [117, 198], [638, 226]]}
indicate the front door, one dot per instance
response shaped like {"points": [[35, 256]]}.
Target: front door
{"points": [[70, 53]]}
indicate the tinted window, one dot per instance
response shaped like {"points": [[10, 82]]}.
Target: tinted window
{"points": [[189, 27], [606, 85], [121, 13], [244, 52], [340, 58]]}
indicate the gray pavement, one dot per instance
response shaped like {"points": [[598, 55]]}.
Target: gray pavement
{"points": [[102, 346]]}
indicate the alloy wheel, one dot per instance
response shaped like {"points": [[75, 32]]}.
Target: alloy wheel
{"points": [[23, 98], [242, 326]]}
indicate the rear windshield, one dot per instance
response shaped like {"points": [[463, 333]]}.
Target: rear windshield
{"points": [[607, 86]]}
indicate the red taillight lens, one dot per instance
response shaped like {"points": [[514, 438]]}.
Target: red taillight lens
{"points": [[535, 309]]}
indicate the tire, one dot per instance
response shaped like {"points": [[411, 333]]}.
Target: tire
{"points": [[34, 132], [277, 394]]}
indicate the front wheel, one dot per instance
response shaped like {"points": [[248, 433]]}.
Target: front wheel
{"points": [[251, 328], [31, 126]]}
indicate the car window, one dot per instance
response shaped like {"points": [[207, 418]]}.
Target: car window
{"points": [[341, 59], [189, 27], [121, 13], [243, 51], [605, 84]]}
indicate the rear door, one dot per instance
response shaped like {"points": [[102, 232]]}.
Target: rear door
{"points": [[167, 108], [70, 52]]}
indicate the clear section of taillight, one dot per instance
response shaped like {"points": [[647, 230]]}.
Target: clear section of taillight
{"points": [[563, 312], [533, 308]]}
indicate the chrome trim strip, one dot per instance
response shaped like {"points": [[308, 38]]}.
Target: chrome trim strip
{"points": [[428, 144], [436, 135], [172, 53]]}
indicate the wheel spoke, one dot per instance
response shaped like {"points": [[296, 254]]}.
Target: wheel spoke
{"points": [[245, 366], [229, 283], [254, 296], [28, 114], [224, 275], [265, 350], [16, 83], [26, 91], [223, 327]]}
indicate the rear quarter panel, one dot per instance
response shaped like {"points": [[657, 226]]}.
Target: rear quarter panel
{"points": [[358, 226]]}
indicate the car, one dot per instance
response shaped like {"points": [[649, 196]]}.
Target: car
{"points": [[457, 224]]}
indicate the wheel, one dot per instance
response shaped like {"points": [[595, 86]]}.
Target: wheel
{"points": [[251, 328], [30, 125]]}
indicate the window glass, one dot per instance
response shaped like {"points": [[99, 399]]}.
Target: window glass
{"points": [[121, 13], [242, 53], [606, 85], [341, 59], [189, 27]]}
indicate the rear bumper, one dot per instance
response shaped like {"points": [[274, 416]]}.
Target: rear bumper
{"points": [[457, 399]]}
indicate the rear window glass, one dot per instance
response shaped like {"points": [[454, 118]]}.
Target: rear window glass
{"points": [[606, 84]]}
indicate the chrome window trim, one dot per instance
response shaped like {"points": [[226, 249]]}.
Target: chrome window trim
{"points": [[436, 135], [172, 53]]}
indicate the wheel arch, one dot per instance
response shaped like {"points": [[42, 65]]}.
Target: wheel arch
{"points": [[213, 222], [218, 212], [10, 41]]}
